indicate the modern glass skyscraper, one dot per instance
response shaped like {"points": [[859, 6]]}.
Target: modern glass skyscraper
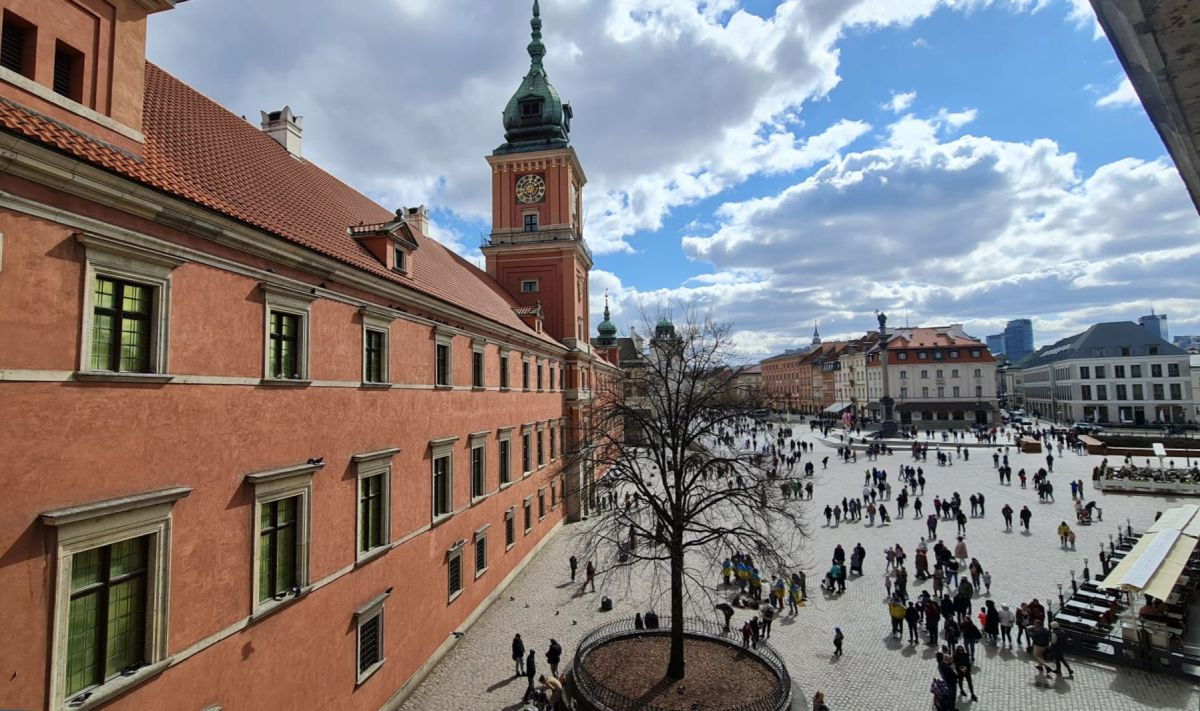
{"points": [[1018, 339], [1156, 324], [995, 343]]}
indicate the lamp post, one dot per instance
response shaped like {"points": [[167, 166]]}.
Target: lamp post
{"points": [[1074, 585], [1060, 597], [1087, 574]]}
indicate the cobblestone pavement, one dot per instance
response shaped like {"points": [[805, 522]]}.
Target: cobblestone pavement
{"points": [[876, 671]]}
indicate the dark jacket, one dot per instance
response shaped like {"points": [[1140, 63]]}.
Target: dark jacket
{"points": [[518, 648], [530, 667], [554, 653]]}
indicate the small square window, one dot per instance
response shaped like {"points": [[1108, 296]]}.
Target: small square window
{"points": [[530, 286], [369, 622], [531, 222]]}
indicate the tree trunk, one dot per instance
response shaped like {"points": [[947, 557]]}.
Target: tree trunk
{"points": [[675, 667]]}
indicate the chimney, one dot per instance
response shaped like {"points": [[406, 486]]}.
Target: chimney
{"points": [[418, 218], [284, 127]]}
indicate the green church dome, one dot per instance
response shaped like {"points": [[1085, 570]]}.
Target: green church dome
{"points": [[535, 118]]}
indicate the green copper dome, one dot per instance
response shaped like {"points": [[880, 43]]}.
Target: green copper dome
{"points": [[535, 118], [608, 331], [664, 328]]}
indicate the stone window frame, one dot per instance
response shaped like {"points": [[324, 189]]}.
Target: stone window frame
{"points": [[527, 512], [537, 285], [455, 552], [478, 440], [550, 428], [376, 319], [526, 374], [541, 445], [101, 523], [504, 434], [481, 536], [528, 455], [479, 348], [274, 485], [288, 300], [367, 465], [541, 499], [374, 609], [505, 376], [104, 257], [438, 449], [445, 338], [541, 375]]}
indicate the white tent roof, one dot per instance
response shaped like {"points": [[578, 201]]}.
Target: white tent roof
{"points": [[1155, 564]]}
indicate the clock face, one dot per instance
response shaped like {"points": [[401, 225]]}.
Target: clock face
{"points": [[530, 188]]}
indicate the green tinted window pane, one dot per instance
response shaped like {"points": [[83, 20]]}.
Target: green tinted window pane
{"points": [[102, 338], [287, 510], [128, 557], [85, 569], [135, 345], [105, 293], [126, 626], [135, 299], [285, 560], [83, 638], [264, 566]]}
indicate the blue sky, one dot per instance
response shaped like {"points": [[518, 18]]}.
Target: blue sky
{"points": [[775, 161]]}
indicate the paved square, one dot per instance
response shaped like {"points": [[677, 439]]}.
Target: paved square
{"points": [[876, 672]]}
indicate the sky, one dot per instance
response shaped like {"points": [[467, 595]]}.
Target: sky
{"points": [[779, 163]]}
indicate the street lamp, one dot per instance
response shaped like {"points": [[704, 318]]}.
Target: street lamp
{"points": [[1074, 585]]}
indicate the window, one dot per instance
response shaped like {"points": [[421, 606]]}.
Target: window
{"points": [[443, 364], [1152, 350], [478, 465], [902, 356], [1085, 372], [287, 332], [937, 355], [1159, 391], [443, 477], [477, 368], [369, 621], [539, 375], [503, 371], [400, 263], [529, 286], [1085, 392], [553, 444], [1138, 392], [956, 393], [505, 457], [375, 346], [1099, 372], [941, 391], [925, 392], [510, 535], [553, 496], [1176, 391], [531, 222], [1135, 371], [374, 473], [531, 108], [1118, 371], [481, 563], [903, 391], [1122, 393], [541, 504], [110, 605], [1101, 392], [68, 72], [940, 374], [922, 355], [18, 45], [525, 374], [904, 375], [282, 515], [1156, 370], [121, 326], [454, 579], [924, 374], [1172, 370], [526, 453], [562, 378], [975, 353], [528, 514], [541, 449], [1125, 353], [954, 354], [954, 373]]}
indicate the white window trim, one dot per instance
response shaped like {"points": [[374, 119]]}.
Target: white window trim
{"points": [[440, 448], [369, 464], [106, 257], [480, 535], [366, 613], [375, 319], [273, 485], [455, 551], [286, 300], [537, 283], [82, 528], [444, 338]]}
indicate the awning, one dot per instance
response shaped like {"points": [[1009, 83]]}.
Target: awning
{"points": [[1180, 518], [1154, 565], [837, 407]]}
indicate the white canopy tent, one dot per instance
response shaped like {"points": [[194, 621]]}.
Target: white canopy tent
{"points": [[1156, 562]]}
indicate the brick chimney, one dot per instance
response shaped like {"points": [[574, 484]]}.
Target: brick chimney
{"points": [[285, 127], [418, 218]]}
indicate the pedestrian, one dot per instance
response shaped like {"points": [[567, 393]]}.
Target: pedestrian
{"points": [[1026, 515], [518, 655], [1058, 647], [962, 665], [553, 655], [589, 572], [755, 632], [837, 641], [574, 562], [1040, 636], [1021, 620], [960, 551], [1006, 625], [818, 703], [970, 635], [987, 582], [945, 665], [912, 615], [727, 610], [897, 612], [768, 616], [747, 633], [530, 675], [991, 622]]}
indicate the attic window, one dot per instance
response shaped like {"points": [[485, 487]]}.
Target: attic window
{"points": [[529, 286], [68, 72], [401, 260], [531, 108], [18, 42]]}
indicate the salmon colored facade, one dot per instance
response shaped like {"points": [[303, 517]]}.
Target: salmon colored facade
{"points": [[254, 422]]}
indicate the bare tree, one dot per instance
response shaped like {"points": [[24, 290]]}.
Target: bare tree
{"points": [[663, 435]]}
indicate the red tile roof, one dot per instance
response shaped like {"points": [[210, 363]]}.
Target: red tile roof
{"points": [[197, 150]]}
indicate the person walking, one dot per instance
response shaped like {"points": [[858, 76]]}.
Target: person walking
{"points": [[553, 655], [1026, 515], [960, 551], [1007, 513], [897, 612], [991, 622], [1040, 636], [574, 563], [912, 615], [518, 655], [768, 616], [727, 610], [946, 670], [962, 665], [1059, 641], [1006, 625], [589, 572], [838, 637]]}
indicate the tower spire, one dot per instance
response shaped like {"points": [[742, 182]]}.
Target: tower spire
{"points": [[537, 50], [606, 290]]}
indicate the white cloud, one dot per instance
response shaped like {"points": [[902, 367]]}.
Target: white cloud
{"points": [[920, 43], [1123, 95], [900, 102]]}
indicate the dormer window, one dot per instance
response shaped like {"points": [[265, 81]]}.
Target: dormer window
{"points": [[400, 260], [531, 108]]}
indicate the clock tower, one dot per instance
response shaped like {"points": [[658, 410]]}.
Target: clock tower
{"points": [[536, 249]]}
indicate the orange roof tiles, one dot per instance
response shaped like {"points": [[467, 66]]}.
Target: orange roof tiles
{"points": [[197, 150]]}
